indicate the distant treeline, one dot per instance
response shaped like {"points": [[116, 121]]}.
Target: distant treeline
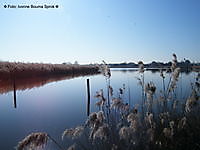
{"points": [[22, 70], [183, 64]]}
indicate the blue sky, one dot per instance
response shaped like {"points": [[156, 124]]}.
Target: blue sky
{"points": [[93, 30]]}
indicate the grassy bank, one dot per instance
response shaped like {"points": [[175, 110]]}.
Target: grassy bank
{"points": [[25, 70]]}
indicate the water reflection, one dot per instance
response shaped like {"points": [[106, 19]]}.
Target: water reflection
{"points": [[29, 83], [14, 84], [153, 70], [60, 105]]}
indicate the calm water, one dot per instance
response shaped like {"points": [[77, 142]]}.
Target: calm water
{"points": [[55, 106]]}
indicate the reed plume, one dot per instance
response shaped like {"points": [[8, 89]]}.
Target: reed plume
{"points": [[73, 132], [33, 141]]}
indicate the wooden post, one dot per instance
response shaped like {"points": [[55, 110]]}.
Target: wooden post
{"points": [[88, 97], [14, 92]]}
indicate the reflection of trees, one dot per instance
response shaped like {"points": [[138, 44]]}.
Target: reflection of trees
{"points": [[155, 70], [125, 70]]}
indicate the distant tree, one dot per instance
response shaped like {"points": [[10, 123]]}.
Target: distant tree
{"points": [[131, 63], [124, 63], [76, 63], [153, 62], [187, 61], [169, 63], [66, 63]]}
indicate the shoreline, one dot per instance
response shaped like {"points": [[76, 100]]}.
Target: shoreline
{"points": [[11, 70]]}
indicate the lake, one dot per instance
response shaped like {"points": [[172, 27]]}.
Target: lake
{"points": [[52, 105]]}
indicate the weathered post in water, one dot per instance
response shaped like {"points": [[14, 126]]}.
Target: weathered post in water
{"points": [[88, 97], [14, 92]]}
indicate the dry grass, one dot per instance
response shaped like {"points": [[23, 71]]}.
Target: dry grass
{"points": [[158, 123], [161, 122], [32, 141], [24, 70]]}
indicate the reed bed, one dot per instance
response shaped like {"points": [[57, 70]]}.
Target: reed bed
{"points": [[161, 122], [24, 70]]}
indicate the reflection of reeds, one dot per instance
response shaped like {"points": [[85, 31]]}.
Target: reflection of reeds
{"points": [[27, 82]]}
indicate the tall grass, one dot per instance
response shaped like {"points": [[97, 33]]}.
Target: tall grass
{"points": [[162, 122], [22, 70]]}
